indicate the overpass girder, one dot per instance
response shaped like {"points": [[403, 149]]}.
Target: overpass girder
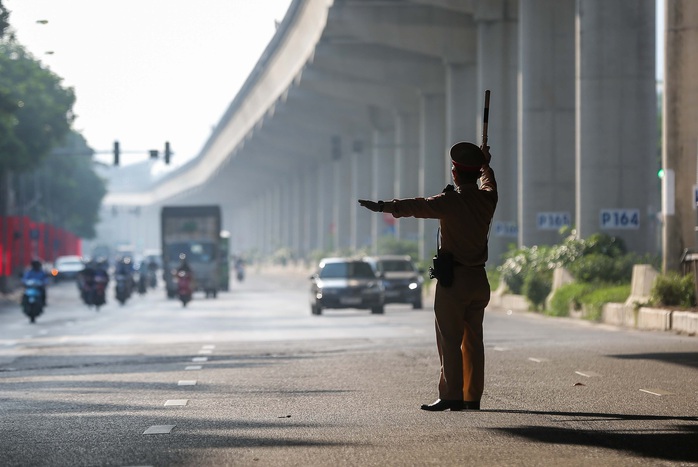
{"points": [[427, 29], [381, 64], [370, 93]]}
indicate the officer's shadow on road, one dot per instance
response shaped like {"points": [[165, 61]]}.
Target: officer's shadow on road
{"points": [[675, 442]]}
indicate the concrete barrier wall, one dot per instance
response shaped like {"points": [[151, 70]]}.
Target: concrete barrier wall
{"points": [[685, 322], [654, 319]]}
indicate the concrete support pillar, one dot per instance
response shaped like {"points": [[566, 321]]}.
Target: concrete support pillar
{"points": [[461, 106], [296, 213], [325, 200], [406, 169], [384, 181], [361, 182], [546, 114], [275, 220], [498, 65], [432, 163], [284, 226], [680, 130], [265, 247], [617, 121], [342, 209], [309, 240]]}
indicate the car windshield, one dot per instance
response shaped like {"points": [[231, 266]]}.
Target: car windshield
{"points": [[349, 270], [396, 266]]}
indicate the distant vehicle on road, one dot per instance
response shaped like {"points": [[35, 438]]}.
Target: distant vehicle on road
{"points": [[67, 267], [194, 231], [401, 278], [345, 283]]}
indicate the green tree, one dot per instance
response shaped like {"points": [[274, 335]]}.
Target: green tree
{"points": [[36, 112], [4, 20], [64, 190]]}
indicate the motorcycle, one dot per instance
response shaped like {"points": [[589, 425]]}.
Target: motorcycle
{"points": [[95, 294], [32, 299], [184, 287], [142, 284], [152, 278], [123, 288]]}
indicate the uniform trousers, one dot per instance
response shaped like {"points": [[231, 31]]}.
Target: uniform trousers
{"points": [[459, 311]]}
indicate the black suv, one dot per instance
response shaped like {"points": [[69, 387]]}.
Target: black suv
{"points": [[401, 279], [345, 283]]}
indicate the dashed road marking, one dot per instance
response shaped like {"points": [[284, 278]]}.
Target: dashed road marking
{"points": [[187, 382], [538, 360], [205, 351], [501, 349], [209, 347], [588, 374], [176, 402], [193, 367], [199, 359], [159, 429], [656, 392]]}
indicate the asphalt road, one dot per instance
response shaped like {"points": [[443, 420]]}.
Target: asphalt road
{"points": [[252, 379]]}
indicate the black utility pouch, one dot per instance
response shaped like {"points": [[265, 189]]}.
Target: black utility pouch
{"points": [[442, 270]]}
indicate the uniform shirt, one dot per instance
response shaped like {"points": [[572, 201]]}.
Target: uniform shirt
{"points": [[464, 217]]}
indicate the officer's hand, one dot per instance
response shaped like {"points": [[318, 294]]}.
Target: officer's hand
{"points": [[372, 205], [486, 151]]}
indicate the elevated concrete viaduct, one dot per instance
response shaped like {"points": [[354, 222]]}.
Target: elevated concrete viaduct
{"points": [[363, 98]]}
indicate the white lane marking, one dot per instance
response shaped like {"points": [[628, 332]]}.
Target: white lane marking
{"points": [[194, 367], [209, 347], [205, 352], [656, 392], [177, 402], [187, 382], [159, 429], [538, 360], [588, 374], [501, 349], [199, 359]]}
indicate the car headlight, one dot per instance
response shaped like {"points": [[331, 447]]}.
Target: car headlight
{"points": [[413, 285]]}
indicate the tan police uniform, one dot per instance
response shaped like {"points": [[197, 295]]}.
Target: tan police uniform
{"points": [[464, 217]]}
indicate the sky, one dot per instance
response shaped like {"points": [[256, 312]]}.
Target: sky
{"points": [[148, 71]]}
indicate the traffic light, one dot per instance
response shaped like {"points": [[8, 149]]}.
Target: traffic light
{"points": [[660, 173], [168, 153], [117, 153]]}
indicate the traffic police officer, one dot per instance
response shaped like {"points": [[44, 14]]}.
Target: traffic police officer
{"points": [[465, 213]]}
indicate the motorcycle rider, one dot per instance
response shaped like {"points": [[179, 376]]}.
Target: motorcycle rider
{"points": [[36, 272], [184, 279], [124, 267], [86, 279]]}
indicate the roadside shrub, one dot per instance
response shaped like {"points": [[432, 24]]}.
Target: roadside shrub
{"points": [[673, 289], [595, 299], [569, 295], [536, 287], [597, 268], [604, 244]]}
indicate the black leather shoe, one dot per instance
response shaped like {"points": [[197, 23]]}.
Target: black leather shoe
{"points": [[443, 404]]}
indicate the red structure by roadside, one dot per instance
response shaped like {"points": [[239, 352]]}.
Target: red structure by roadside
{"points": [[22, 239]]}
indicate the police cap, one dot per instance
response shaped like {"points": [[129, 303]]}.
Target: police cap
{"points": [[467, 157]]}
